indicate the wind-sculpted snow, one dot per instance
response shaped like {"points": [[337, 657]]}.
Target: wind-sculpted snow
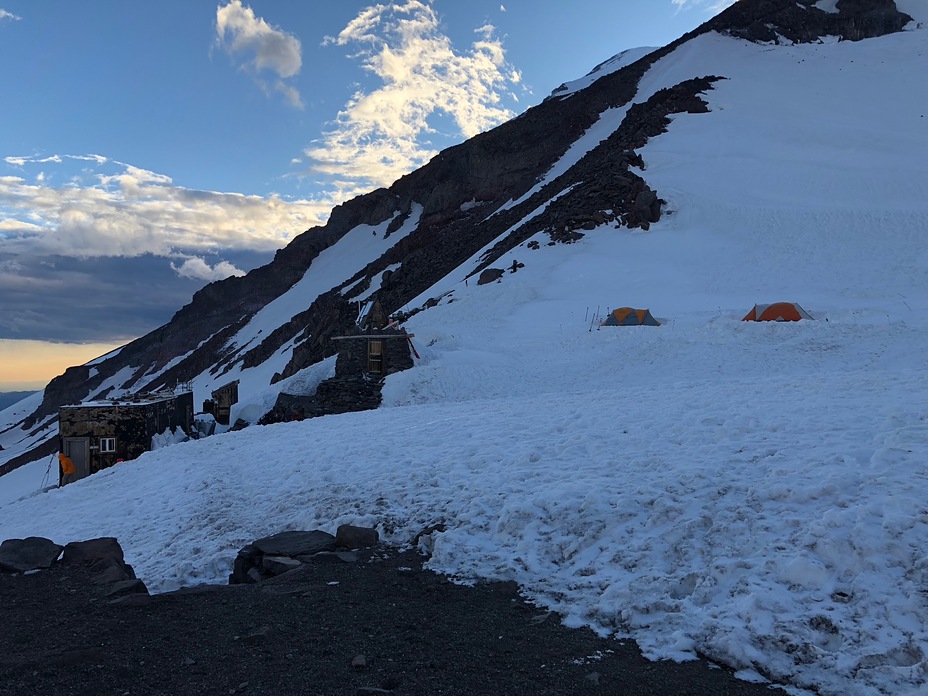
{"points": [[773, 519]]}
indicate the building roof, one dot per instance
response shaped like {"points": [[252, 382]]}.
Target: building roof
{"points": [[131, 400], [379, 335]]}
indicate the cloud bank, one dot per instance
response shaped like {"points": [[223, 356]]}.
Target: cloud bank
{"points": [[262, 49], [7, 16], [115, 209], [382, 134], [92, 249]]}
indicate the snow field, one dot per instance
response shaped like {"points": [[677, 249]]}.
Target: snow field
{"points": [[773, 521]]}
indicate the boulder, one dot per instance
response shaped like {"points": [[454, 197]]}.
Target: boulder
{"points": [[127, 587], [275, 565], [645, 198], [656, 209], [295, 544], [92, 550], [247, 559], [488, 275], [103, 556], [350, 537], [278, 553], [110, 570], [31, 553]]}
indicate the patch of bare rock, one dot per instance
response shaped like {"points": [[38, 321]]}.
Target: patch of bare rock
{"points": [[306, 612]]}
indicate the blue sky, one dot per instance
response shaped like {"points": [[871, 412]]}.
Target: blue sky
{"points": [[149, 148]]}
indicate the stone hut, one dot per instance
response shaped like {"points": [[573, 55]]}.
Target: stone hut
{"points": [[374, 348], [98, 434], [220, 405], [366, 355], [375, 353]]}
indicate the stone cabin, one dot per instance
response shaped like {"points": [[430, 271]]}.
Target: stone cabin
{"points": [[221, 401], [373, 354], [98, 434], [366, 355]]}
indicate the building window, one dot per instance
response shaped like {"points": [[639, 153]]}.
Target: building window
{"points": [[107, 444], [375, 356]]}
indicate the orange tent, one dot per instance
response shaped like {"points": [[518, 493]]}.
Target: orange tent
{"points": [[626, 316], [778, 311]]}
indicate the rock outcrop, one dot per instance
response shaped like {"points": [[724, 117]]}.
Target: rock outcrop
{"points": [[801, 21], [103, 557], [281, 553], [31, 553]]}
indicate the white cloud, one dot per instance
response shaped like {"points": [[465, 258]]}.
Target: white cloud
{"points": [[291, 94], [383, 134], [116, 209], [11, 225], [198, 269], [99, 159], [4, 15], [265, 49]]}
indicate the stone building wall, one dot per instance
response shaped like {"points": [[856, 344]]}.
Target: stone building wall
{"points": [[132, 424], [354, 387]]}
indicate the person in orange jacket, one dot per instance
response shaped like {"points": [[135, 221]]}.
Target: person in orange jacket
{"points": [[67, 469]]}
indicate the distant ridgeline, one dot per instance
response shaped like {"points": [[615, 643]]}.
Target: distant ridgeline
{"points": [[7, 399]]}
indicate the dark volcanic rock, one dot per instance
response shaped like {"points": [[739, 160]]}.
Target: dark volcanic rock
{"points": [[111, 570], [277, 565], [295, 544], [271, 555], [92, 550], [126, 587], [801, 22], [350, 537], [31, 553], [490, 275], [419, 633], [104, 558]]}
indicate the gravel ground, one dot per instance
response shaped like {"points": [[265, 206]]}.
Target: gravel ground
{"points": [[379, 625]]}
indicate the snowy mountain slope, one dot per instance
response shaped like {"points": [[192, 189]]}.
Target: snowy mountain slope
{"points": [[561, 167], [751, 492]]}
